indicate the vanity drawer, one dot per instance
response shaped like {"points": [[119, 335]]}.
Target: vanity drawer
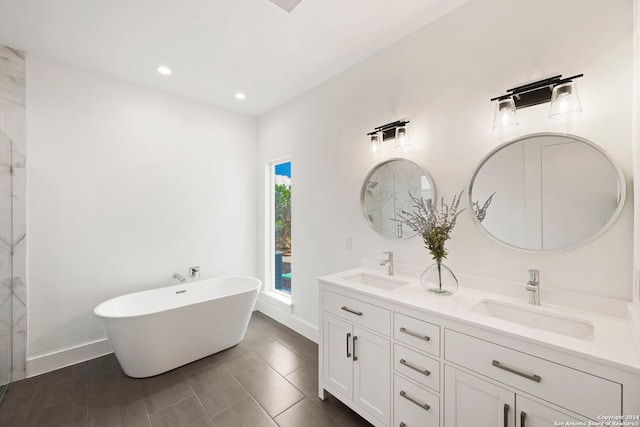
{"points": [[420, 334], [413, 405], [358, 312], [574, 390], [416, 366]]}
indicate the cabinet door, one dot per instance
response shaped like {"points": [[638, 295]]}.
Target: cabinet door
{"points": [[338, 351], [372, 374], [472, 402], [533, 414]]}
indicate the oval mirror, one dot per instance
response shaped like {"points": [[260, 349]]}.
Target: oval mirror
{"points": [[552, 192], [385, 192]]}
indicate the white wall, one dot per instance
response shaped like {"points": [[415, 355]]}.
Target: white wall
{"points": [[441, 79], [126, 186]]}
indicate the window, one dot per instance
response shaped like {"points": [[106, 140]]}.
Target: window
{"points": [[281, 226]]}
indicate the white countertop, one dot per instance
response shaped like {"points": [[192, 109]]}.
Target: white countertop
{"points": [[613, 343]]}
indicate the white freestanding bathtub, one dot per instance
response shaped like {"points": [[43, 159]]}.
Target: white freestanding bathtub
{"points": [[154, 331]]}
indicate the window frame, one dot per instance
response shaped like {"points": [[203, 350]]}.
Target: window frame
{"points": [[280, 297]]}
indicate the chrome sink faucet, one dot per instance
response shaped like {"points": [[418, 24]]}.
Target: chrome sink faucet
{"points": [[388, 261], [533, 287], [180, 277]]}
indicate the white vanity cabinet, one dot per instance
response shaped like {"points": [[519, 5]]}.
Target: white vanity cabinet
{"points": [[363, 362], [399, 364], [356, 361], [471, 402], [416, 372], [574, 390]]}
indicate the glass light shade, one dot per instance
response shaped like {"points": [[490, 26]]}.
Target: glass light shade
{"points": [[505, 114], [374, 144], [402, 138], [564, 99]]}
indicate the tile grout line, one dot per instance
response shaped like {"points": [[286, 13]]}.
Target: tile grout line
{"points": [[187, 380], [144, 402], [249, 393], [204, 409], [312, 400], [304, 396], [170, 406]]}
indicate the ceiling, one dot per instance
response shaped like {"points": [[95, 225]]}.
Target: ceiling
{"points": [[215, 48]]}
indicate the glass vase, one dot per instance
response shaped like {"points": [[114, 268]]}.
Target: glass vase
{"points": [[439, 279]]}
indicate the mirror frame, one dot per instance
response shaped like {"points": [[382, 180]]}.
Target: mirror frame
{"points": [[367, 178], [622, 192]]}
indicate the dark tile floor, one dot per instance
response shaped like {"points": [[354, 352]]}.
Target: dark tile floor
{"points": [[269, 379]]}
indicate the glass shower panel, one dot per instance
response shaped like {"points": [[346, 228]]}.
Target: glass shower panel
{"points": [[6, 254]]}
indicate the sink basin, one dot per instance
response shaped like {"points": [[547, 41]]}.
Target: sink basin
{"points": [[380, 282], [533, 318]]}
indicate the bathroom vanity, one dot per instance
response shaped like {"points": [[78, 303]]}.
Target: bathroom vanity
{"points": [[401, 357]]}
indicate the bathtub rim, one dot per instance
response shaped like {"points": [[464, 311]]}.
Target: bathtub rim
{"points": [[151, 313]]}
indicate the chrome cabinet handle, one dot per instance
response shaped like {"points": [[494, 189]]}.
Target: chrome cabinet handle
{"points": [[531, 377], [348, 336], [523, 416], [415, 334], [425, 372], [402, 424], [424, 406], [355, 338], [506, 415], [357, 313]]}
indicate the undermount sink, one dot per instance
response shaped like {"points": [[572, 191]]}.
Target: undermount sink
{"points": [[533, 318], [380, 282]]}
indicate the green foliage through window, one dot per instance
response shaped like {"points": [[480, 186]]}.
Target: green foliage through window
{"points": [[283, 217]]}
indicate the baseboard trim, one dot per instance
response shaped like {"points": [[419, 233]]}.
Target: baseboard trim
{"points": [[70, 356], [288, 319]]}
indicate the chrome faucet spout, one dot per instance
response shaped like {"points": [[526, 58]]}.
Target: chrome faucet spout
{"points": [[388, 261], [179, 277], [533, 287]]}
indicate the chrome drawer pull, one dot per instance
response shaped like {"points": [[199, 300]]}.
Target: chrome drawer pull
{"points": [[424, 406], [355, 338], [523, 416], [357, 313], [402, 424], [415, 368], [505, 416], [415, 334], [531, 377], [348, 336]]}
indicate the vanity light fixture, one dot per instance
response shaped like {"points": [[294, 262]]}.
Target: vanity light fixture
{"points": [[402, 138], [374, 144], [565, 99], [396, 130], [562, 93], [505, 114]]}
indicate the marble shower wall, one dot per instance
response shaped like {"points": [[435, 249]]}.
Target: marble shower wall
{"points": [[13, 292]]}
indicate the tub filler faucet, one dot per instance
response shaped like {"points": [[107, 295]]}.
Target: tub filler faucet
{"points": [[388, 261], [179, 277], [533, 287]]}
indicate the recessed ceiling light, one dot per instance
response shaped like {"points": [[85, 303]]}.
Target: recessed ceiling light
{"points": [[240, 95], [163, 69]]}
